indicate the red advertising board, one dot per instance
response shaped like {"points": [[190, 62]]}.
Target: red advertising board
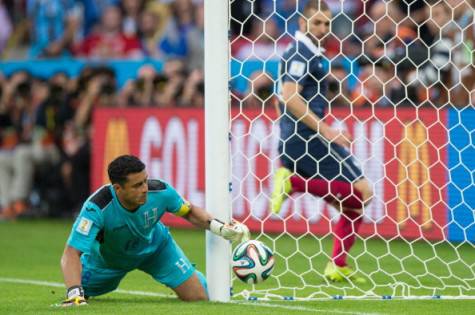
{"points": [[402, 153]]}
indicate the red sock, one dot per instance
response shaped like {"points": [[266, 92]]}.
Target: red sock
{"points": [[332, 191], [347, 227], [345, 236], [300, 184]]}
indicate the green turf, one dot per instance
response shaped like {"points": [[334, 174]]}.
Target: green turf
{"points": [[31, 251]]}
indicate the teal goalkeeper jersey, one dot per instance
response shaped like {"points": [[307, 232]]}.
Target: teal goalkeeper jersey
{"points": [[119, 238]]}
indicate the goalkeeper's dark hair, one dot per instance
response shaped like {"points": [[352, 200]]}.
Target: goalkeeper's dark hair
{"points": [[122, 166], [317, 5]]}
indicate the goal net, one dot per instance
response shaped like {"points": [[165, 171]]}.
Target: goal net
{"points": [[400, 78]]}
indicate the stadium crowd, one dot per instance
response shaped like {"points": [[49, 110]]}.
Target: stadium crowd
{"points": [[381, 53]]}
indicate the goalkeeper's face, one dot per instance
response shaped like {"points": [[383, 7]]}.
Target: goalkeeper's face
{"points": [[316, 25], [133, 193]]}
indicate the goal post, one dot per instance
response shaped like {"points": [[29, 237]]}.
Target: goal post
{"points": [[217, 174]]}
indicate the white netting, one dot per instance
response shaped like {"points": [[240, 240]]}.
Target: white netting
{"points": [[400, 80]]}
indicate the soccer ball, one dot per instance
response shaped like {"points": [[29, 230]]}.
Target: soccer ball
{"points": [[252, 262]]}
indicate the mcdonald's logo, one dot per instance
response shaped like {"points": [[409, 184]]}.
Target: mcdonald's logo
{"points": [[414, 188], [116, 143]]}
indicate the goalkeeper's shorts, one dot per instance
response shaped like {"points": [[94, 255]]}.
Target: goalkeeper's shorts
{"points": [[169, 266]]}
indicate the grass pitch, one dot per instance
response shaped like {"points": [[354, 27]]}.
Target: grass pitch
{"points": [[31, 281]]}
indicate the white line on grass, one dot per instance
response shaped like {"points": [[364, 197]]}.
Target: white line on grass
{"points": [[61, 285], [145, 293]]}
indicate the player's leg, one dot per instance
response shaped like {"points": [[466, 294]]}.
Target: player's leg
{"points": [[96, 279], [343, 196], [339, 181], [349, 223], [290, 151], [171, 267], [193, 289]]}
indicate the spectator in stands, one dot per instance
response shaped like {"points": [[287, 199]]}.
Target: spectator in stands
{"points": [[131, 10], [173, 87], [5, 27], [16, 168], [47, 145], [193, 90], [100, 92], [195, 41], [34, 118], [409, 51], [263, 42], [54, 25], [163, 11], [261, 91], [462, 32], [174, 41], [74, 144], [109, 41], [149, 34], [93, 10], [434, 75], [338, 84], [75, 166], [140, 92], [379, 29], [372, 88], [96, 89], [283, 12]]}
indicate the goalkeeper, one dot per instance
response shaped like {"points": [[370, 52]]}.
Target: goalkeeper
{"points": [[119, 230], [314, 156]]}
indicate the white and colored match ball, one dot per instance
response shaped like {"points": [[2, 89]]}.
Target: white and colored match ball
{"points": [[252, 262]]}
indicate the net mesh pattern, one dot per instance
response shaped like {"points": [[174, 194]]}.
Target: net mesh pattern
{"points": [[400, 78]]}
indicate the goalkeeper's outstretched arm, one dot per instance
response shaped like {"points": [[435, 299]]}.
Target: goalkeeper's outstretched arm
{"points": [[233, 231]]}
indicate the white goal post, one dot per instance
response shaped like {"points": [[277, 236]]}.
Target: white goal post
{"points": [[218, 199]]}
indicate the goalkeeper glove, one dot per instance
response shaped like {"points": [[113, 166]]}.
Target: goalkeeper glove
{"points": [[74, 297], [234, 231]]}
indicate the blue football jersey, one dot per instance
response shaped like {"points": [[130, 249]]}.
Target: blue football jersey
{"points": [[303, 63], [105, 230]]}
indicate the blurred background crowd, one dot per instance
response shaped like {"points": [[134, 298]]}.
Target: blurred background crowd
{"points": [[381, 53]]}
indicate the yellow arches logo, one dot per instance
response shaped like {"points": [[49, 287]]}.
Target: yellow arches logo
{"points": [[116, 143], [414, 188]]}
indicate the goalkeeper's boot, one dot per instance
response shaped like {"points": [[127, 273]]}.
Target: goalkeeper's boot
{"points": [[339, 274], [282, 189]]}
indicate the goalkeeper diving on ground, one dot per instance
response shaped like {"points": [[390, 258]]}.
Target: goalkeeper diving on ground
{"points": [[119, 230]]}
